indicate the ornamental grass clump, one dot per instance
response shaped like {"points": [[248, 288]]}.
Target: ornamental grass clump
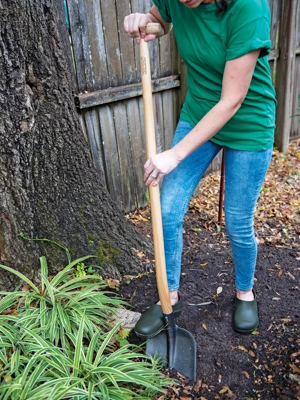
{"points": [[56, 342]]}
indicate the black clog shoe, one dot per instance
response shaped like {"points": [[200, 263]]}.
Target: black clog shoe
{"points": [[152, 321], [245, 316]]}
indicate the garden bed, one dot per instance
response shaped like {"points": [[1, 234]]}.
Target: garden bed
{"points": [[262, 365]]}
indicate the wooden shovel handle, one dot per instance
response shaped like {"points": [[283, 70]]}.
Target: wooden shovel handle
{"points": [[153, 27], [160, 263]]}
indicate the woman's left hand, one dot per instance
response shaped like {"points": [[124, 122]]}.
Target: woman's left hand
{"points": [[160, 165]]}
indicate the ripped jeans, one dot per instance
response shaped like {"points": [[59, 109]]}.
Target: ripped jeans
{"points": [[244, 175]]}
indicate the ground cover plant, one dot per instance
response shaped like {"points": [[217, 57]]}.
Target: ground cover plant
{"points": [[266, 364], [56, 341]]}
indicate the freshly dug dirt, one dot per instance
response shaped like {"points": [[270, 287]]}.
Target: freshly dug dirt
{"points": [[265, 364]]}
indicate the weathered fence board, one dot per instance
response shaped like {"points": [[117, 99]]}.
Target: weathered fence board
{"points": [[110, 152], [109, 88], [295, 129], [138, 148], [126, 45], [92, 127], [285, 71], [125, 157], [81, 45], [110, 95]]}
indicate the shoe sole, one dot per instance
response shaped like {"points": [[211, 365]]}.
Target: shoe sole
{"points": [[245, 332]]}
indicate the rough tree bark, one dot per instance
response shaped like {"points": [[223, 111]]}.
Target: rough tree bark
{"points": [[49, 187]]}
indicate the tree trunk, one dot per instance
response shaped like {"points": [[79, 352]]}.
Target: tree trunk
{"points": [[49, 187]]}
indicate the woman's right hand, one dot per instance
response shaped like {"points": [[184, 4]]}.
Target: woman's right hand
{"points": [[135, 27]]}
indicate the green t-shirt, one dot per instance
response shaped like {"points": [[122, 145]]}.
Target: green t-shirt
{"points": [[206, 39]]}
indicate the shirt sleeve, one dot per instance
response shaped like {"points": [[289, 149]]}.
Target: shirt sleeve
{"points": [[250, 31], [163, 8]]}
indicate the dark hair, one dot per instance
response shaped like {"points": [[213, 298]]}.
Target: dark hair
{"points": [[222, 5]]}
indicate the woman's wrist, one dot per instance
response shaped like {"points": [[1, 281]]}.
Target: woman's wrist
{"points": [[179, 153]]}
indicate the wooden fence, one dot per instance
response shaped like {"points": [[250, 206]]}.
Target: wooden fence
{"points": [[108, 88]]}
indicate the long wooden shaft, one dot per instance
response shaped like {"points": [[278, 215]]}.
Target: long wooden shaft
{"points": [[160, 264], [221, 194]]}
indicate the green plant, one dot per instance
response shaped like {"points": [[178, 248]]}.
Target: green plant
{"points": [[122, 336], [56, 342], [88, 372], [62, 301]]}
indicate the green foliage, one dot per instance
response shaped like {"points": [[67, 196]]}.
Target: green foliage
{"points": [[56, 342]]}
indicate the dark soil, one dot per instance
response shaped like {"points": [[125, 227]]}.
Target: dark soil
{"points": [[262, 365]]}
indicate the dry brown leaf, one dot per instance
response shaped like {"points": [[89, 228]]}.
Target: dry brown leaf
{"points": [[229, 393], [112, 283], [128, 277], [295, 368], [251, 353], [139, 253], [197, 385], [204, 326], [182, 377], [246, 374], [240, 348]]}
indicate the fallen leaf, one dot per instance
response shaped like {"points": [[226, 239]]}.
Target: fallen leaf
{"points": [[139, 253], [25, 288], [295, 368], [295, 378], [229, 393], [246, 374], [204, 326], [290, 275], [241, 348], [197, 385], [126, 277], [112, 283]]}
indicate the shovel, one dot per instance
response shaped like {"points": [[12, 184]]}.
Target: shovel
{"points": [[175, 346]]}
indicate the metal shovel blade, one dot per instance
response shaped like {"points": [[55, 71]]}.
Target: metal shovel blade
{"points": [[177, 350]]}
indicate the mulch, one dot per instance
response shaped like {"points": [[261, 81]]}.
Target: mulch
{"points": [[265, 364]]}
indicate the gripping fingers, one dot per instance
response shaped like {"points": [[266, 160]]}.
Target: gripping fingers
{"points": [[153, 178], [135, 26], [152, 174]]}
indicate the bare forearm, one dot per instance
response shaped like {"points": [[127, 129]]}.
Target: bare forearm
{"points": [[209, 125]]}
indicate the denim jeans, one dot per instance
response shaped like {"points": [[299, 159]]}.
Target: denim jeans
{"points": [[244, 174]]}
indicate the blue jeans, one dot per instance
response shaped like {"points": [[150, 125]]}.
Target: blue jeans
{"points": [[244, 174]]}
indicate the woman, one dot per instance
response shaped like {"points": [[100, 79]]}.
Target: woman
{"points": [[230, 104]]}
